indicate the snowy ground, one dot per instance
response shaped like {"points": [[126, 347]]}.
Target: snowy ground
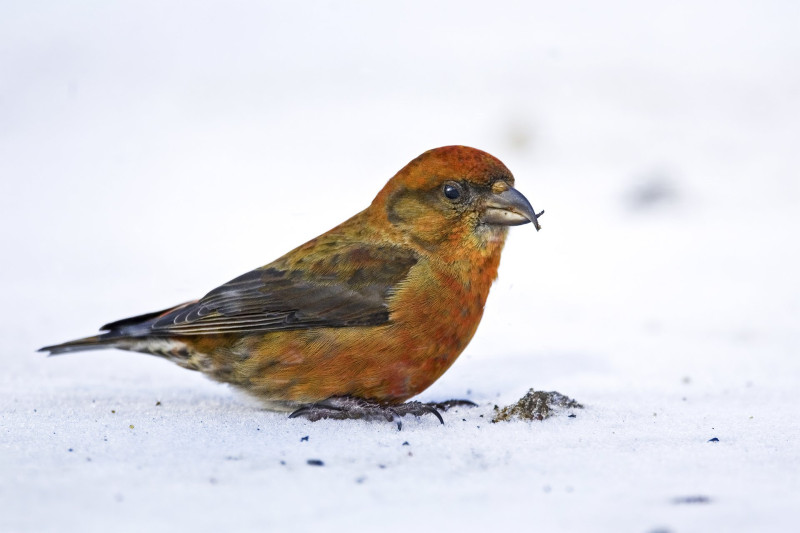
{"points": [[149, 152]]}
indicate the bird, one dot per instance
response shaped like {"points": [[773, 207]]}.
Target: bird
{"points": [[360, 319]]}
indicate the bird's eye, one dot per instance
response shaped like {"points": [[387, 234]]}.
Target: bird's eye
{"points": [[452, 191]]}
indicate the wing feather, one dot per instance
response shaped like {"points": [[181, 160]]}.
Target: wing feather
{"points": [[348, 288]]}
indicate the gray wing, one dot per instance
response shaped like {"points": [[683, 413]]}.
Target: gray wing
{"points": [[325, 293]]}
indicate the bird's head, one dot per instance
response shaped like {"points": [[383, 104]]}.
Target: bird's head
{"points": [[455, 195]]}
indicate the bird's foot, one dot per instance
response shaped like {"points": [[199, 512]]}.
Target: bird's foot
{"points": [[347, 407]]}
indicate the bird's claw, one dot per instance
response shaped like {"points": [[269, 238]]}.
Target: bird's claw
{"points": [[446, 405], [347, 407]]}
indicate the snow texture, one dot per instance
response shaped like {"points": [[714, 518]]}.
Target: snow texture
{"points": [[150, 151]]}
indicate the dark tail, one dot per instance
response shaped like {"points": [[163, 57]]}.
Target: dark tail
{"points": [[98, 342], [120, 334]]}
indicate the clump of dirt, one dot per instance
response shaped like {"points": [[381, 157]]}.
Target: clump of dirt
{"points": [[535, 405]]}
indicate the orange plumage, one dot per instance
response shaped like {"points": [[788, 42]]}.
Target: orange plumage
{"points": [[375, 309]]}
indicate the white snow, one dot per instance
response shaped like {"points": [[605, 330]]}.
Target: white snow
{"points": [[152, 151]]}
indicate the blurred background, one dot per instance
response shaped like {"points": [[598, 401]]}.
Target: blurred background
{"points": [[150, 151]]}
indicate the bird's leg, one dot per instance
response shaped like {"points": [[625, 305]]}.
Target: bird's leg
{"points": [[344, 407]]}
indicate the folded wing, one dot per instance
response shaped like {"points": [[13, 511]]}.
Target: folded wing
{"points": [[350, 287]]}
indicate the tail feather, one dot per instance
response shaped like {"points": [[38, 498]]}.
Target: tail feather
{"points": [[98, 342], [123, 334]]}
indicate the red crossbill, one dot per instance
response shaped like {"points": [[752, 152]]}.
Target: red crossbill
{"points": [[356, 321]]}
